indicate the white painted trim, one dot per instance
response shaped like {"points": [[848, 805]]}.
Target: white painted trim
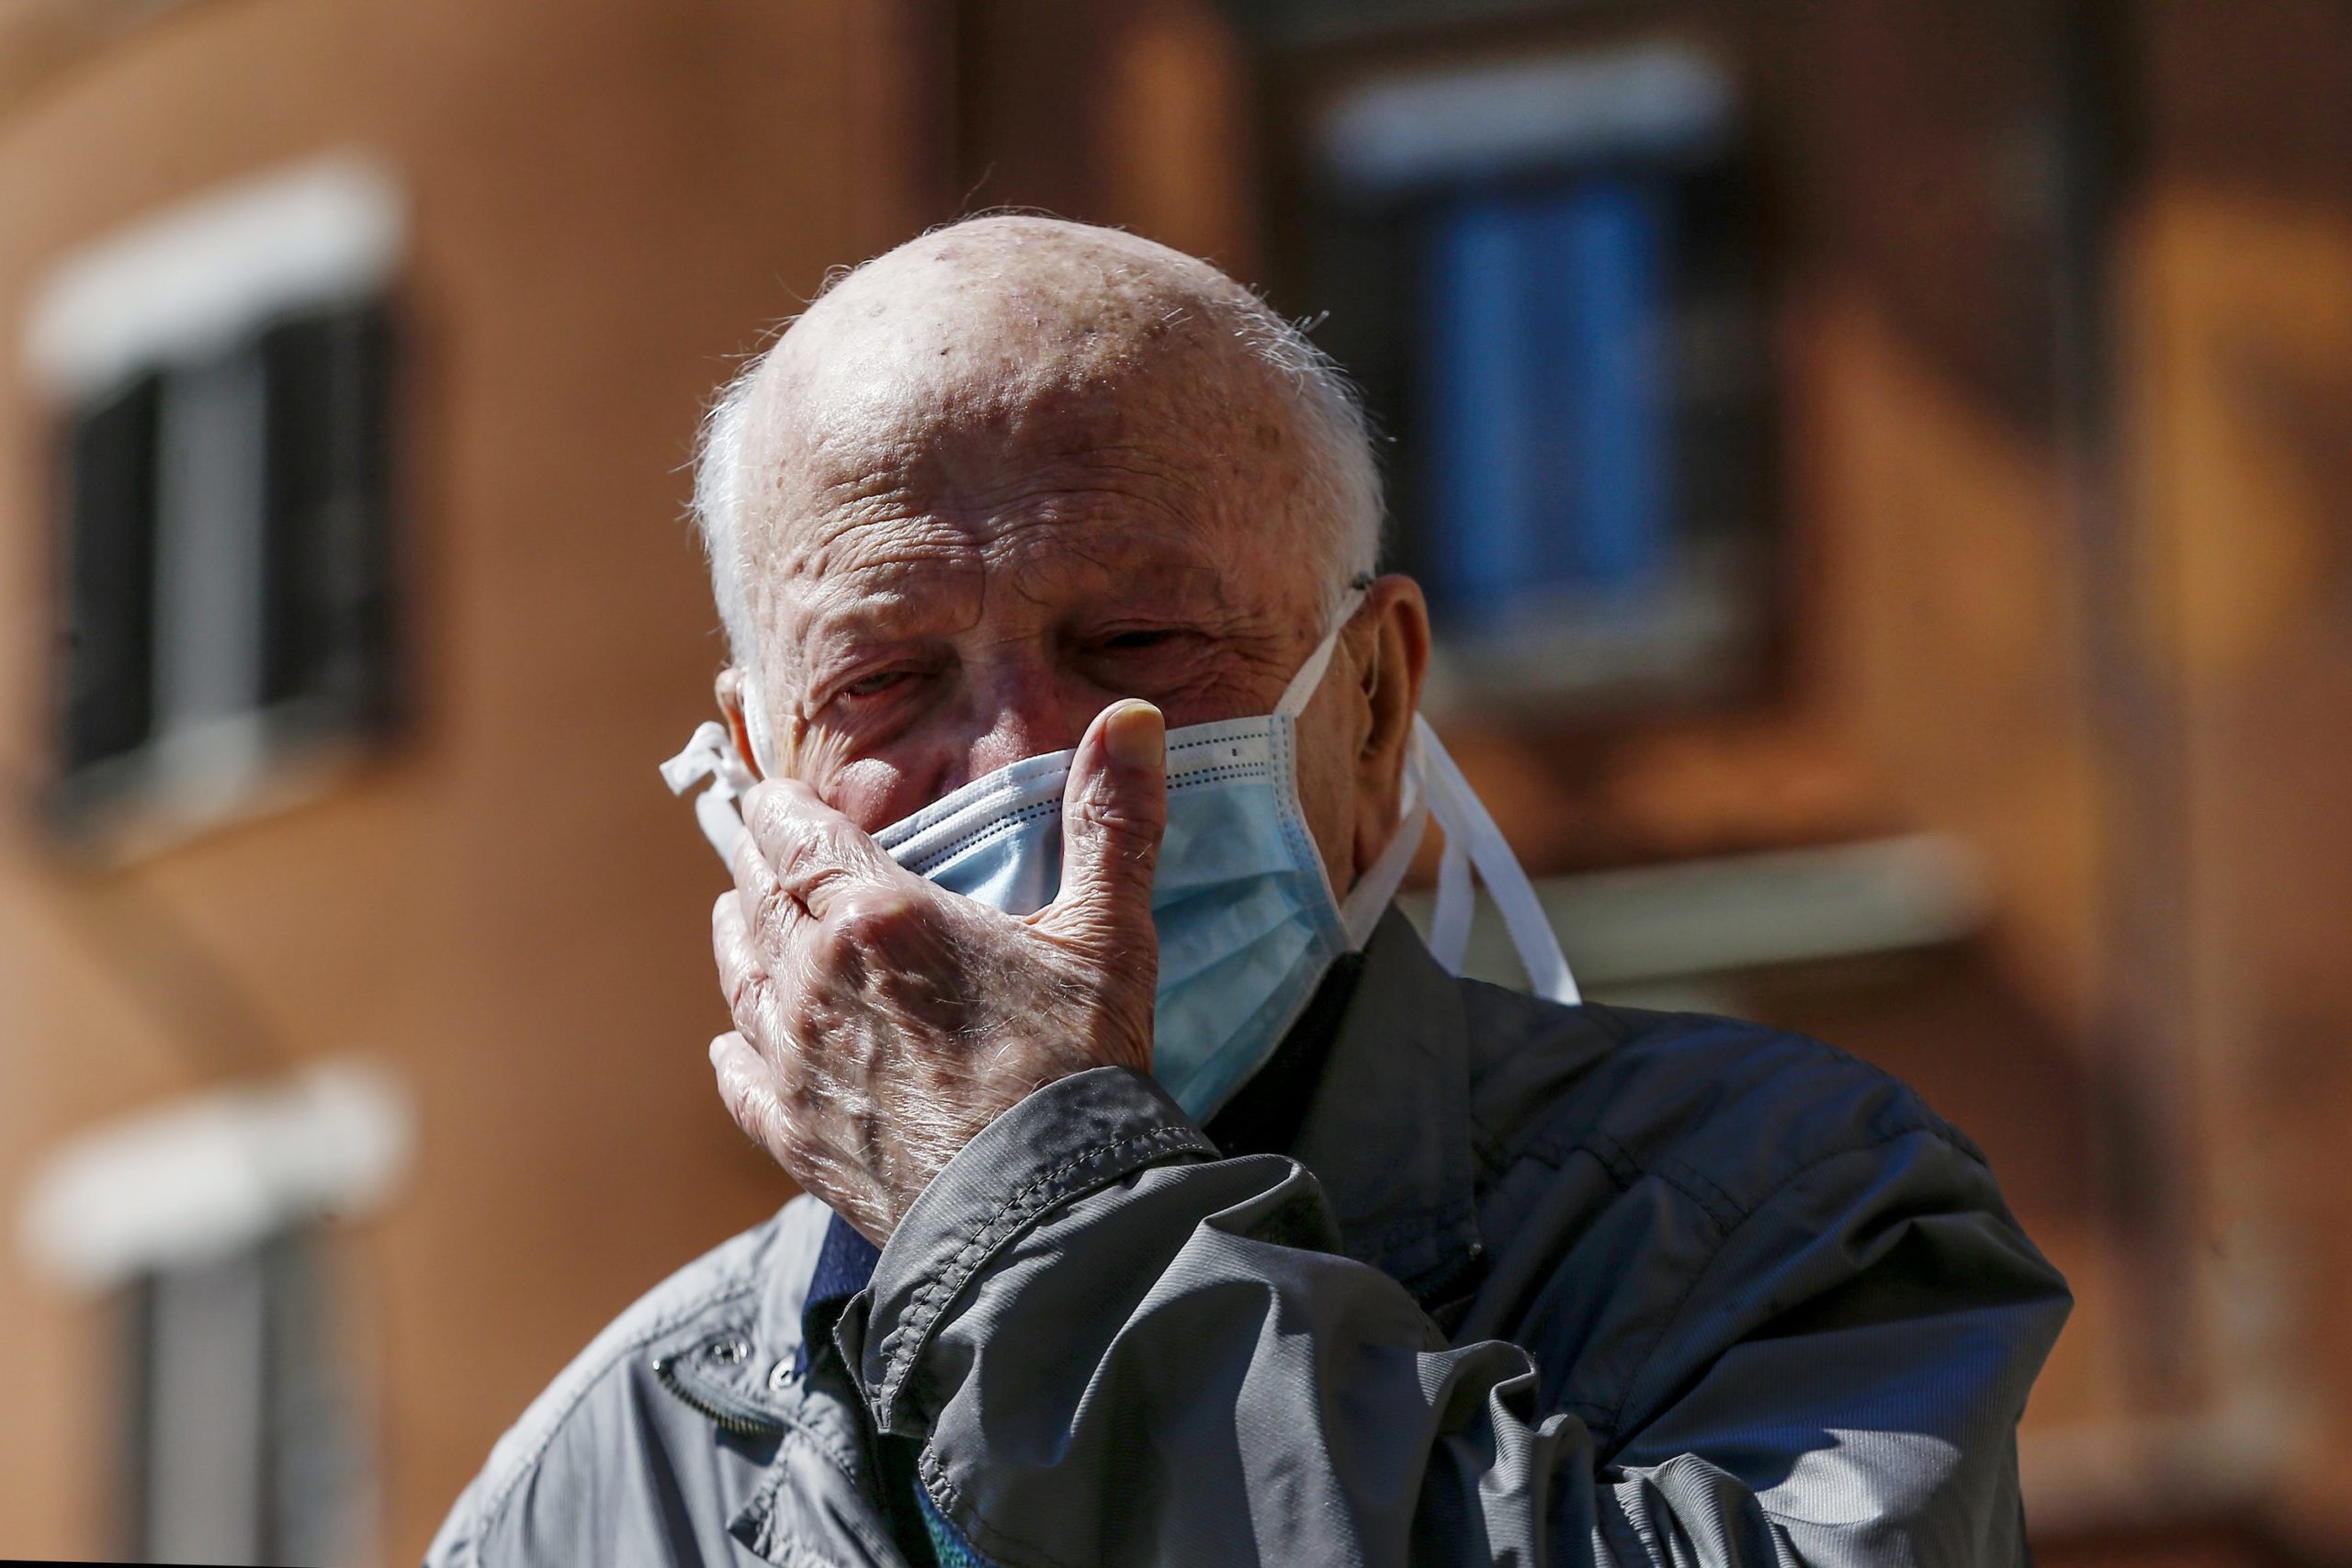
{"points": [[206, 1176], [1676, 922], [1405, 131], [189, 280]]}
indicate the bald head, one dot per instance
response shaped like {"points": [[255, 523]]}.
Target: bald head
{"points": [[939, 372]]}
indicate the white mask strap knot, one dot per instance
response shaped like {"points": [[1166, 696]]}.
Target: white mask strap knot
{"points": [[710, 754]]}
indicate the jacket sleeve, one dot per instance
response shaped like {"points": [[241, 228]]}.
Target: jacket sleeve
{"points": [[1113, 1347]]}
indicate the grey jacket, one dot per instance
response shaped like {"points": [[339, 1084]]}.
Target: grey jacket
{"points": [[1531, 1284]]}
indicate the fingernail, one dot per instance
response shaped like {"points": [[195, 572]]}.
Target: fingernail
{"points": [[1138, 737]]}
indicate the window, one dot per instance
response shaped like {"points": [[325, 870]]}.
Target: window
{"points": [[237, 1435], [226, 560], [1546, 274], [210, 1225]]}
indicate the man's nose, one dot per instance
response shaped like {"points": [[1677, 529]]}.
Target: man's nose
{"points": [[1026, 710]]}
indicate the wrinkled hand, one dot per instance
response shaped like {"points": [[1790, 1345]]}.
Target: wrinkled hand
{"points": [[881, 1021]]}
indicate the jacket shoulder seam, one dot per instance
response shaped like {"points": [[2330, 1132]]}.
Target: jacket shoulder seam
{"points": [[1705, 1266], [1707, 1195], [1554, 1147]]}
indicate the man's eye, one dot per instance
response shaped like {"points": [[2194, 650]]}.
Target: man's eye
{"points": [[874, 685], [1128, 642]]}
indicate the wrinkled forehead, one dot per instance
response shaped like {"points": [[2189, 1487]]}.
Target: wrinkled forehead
{"points": [[1025, 522], [888, 426]]}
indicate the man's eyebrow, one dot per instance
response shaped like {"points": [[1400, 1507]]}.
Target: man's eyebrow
{"points": [[903, 618], [889, 586], [1189, 586], [838, 620]]}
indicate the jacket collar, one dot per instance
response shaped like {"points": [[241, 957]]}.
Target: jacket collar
{"points": [[1386, 1129]]}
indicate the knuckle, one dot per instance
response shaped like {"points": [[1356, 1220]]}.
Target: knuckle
{"points": [[770, 916], [790, 856], [821, 870], [767, 807], [751, 1108], [869, 910], [748, 991], [868, 920], [1110, 815], [779, 823], [1129, 853], [1124, 831]]}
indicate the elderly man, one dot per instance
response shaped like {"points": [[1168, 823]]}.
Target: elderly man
{"points": [[1166, 1200]]}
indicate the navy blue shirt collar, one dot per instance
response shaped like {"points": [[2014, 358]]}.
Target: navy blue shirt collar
{"points": [[845, 1265]]}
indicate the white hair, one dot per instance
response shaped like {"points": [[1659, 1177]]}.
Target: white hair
{"points": [[718, 506], [1344, 486]]}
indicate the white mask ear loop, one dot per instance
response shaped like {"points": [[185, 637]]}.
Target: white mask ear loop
{"points": [[1459, 811], [1368, 899], [1301, 690], [1449, 926]]}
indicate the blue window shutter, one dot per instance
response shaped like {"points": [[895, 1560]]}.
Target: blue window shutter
{"points": [[1475, 400], [1604, 242], [1547, 433]]}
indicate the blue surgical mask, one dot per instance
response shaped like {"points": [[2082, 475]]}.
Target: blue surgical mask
{"points": [[1246, 916]]}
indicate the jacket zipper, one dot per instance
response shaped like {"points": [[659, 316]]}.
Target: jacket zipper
{"points": [[729, 1411]]}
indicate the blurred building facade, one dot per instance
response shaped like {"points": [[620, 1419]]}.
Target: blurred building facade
{"points": [[1879, 470]]}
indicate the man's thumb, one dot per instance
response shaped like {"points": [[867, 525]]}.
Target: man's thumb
{"points": [[1113, 811]]}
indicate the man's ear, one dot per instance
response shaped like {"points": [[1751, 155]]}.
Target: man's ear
{"points": [[1395, 661], [729, 690]]}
